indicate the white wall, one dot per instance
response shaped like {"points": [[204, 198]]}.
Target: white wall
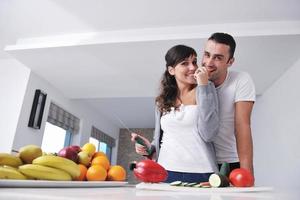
{"points": [[276, 132], [88, 117], [13, 81]]}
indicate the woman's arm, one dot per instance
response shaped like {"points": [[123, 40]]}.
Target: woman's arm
{"points": [[155, 144], [208, 111]]}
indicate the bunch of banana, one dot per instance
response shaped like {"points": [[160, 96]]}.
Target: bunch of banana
{"points": [[44, 173], [7, 172], [59, 163], [10, 160]]}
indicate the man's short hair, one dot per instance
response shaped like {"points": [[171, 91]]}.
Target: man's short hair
{"points": [[224, 38]]}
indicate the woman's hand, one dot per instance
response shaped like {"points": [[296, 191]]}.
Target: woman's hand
{"points": [[201, 75], [141, 148]]}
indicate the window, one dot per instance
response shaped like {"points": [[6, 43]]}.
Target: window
{"points": [[107, 149], [101, 146], [95, 142], [102, 141], [60, 127], [55, 138]]}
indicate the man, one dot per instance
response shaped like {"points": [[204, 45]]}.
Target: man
{"points": [[236, 93]]}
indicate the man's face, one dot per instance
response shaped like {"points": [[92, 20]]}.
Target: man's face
{"points": [[216, 60]]}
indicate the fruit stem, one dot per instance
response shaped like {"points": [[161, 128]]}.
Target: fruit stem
{"points": [[132, 165]]}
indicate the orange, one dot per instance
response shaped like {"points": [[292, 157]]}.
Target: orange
{"points": [[83, 170], [99, 153], [116, 173], [96, 173], [101, 160]]}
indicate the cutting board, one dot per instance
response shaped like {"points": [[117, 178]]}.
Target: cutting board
{"points": [[168, 187]]}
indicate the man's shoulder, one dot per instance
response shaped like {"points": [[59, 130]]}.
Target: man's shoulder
{"points": [[243, 84], [238, 73]]}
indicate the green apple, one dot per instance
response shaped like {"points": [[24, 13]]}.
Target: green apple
{"points": [[84, 158]]}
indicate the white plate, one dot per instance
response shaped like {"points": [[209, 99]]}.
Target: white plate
{"points": [[59, 184], [168, 187]]}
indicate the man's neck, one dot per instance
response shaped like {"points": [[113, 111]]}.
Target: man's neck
{"points": [[220, 80]]}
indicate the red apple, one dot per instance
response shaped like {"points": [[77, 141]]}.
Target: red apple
{"points": [[75, 148], [69, 153]]}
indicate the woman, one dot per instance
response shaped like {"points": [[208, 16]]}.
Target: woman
{"points": [[186, 119]]}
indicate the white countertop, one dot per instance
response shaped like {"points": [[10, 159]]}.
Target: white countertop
{"points": [[129, 193]]}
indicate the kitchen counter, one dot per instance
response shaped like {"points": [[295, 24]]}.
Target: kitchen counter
{"points": [[129, 193]]}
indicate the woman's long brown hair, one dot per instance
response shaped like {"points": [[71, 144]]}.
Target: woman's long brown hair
{"points": [[168, 86]]}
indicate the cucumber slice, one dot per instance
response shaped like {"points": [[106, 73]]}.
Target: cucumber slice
{"points": [[176, 183], [214, 180], [197, 186], [206, 186], [190, 184], [184, 184]]}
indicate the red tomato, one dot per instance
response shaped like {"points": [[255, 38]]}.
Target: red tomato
{"points": [[241, 178]]}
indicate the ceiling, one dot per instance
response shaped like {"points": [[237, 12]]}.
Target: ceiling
{"points": [[110, 54]]}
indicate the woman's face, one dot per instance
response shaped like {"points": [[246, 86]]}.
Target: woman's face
{"points": [[184, 71]]}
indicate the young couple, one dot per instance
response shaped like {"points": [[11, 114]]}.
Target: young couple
{"points": [[202, 113]]}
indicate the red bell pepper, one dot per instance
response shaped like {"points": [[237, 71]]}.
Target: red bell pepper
{"points": [[149, 171]]}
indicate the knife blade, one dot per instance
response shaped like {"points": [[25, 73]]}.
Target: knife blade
{"points": [[123, 124]]}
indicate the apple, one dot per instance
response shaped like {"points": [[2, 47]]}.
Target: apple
{"points": [[75, 148], [69, 153], [84, 158], [90, 148]]}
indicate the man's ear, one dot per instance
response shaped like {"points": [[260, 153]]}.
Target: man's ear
{"points": [[171, 70], [230, 61]]}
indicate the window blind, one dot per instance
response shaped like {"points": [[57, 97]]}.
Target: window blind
{"points": [[102, 137], [63, 119]]}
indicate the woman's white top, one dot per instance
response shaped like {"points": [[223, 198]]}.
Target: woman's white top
{"points": [[182, 149]]}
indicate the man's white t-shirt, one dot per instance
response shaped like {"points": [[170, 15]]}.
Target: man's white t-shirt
{"points": [[238, 86]]}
